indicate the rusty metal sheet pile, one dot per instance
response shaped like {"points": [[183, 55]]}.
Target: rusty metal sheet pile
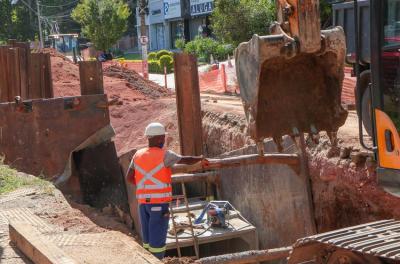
{"points": [[23, 73], [380, 239], [290, 82], [38, 136]]}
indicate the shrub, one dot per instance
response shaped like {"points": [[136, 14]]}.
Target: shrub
{"points": [[117, 52], [206, 47], [154, 66], [180, 43], [203, 48], [222, 51], [191, 47], [168, 61], [152, 56], [163, 52]]}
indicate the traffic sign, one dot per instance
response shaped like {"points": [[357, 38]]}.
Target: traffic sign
{"points": [[144, 40]]}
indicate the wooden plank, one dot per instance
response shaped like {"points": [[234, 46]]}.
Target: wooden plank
{"points": [[3, 74], [35, 246], [35, 76], [91, 76], [188, 104], [14, 81]]}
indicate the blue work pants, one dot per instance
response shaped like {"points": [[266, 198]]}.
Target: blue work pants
{"points": [[154, 219]]}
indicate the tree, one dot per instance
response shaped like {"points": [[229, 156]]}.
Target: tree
{"points": [[235, 21], [15, 22], [326, 13], [103, 21]]}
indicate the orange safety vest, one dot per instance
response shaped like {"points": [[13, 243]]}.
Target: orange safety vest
{"points": [[152, 178]]}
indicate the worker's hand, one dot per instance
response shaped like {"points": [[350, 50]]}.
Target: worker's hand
{"points": [[205, 163]]}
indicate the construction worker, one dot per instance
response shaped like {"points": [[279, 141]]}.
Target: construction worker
{"points": [[150, 171]]}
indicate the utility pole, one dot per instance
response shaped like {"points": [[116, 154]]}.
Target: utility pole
{"points": [[41, 46], [143, 37]]}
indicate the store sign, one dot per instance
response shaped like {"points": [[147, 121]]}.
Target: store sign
{"points": [[172, 9], [156, 15], [199, 7]]}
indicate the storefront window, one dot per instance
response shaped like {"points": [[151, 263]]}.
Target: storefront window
{"points": [[176, 32]]}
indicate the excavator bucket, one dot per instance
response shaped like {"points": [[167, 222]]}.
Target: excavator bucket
{"points": [[291, 81]]}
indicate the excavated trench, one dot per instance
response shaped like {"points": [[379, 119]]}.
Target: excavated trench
{"points": [[343, 179], [272, 198]]}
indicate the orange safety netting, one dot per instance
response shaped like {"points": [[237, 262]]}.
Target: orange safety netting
{"points": [[349, 83], [222, 80]]}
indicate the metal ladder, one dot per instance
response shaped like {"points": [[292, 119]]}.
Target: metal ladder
{"points": [[194, 238]]}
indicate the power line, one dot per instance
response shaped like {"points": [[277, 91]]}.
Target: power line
{"points": [[55, 6]]}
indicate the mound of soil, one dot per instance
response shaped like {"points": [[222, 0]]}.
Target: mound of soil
{"points": [[118, 82], [148, 88], [134, 102]]}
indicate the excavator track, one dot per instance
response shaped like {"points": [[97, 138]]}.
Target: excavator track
{"points": [[376, 242]]}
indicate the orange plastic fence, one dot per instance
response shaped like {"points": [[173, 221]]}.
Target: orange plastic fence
{"points": [[221, 80], [349, 83]]}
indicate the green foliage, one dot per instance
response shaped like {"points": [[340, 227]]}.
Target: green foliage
{"points": [[180, 43], [133, 56], [167, 61], [154, 66], [15, 22], [236, 21], [10, 180], [103, 21], [203, 48], [191, 47], [326, 14], [152, 56], [222, 51], [157, 66], [117, 53], [163, 52]]}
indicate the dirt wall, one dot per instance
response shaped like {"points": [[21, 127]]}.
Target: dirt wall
{"points": [[345, 190], [223, 132]]}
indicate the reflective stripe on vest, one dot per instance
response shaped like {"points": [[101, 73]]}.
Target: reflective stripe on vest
{"points": [[153, 195], [149, 176], [157, 185]]}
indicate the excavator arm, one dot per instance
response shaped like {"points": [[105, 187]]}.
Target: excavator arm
{"points": [[290, 81]]}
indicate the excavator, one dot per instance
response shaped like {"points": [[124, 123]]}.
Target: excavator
{"points": [[290, 83]]}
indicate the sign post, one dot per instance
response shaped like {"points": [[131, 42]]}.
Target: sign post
{"points": [[145, 66]]}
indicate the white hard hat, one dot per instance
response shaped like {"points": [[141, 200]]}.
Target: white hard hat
{"points": [[154, 129]]}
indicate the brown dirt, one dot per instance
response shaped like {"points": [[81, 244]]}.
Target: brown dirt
{"points": [[182, 260], [345, 191], [129, 121], [83, 233], [134, 102], [137, 82], [66, 83]]}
